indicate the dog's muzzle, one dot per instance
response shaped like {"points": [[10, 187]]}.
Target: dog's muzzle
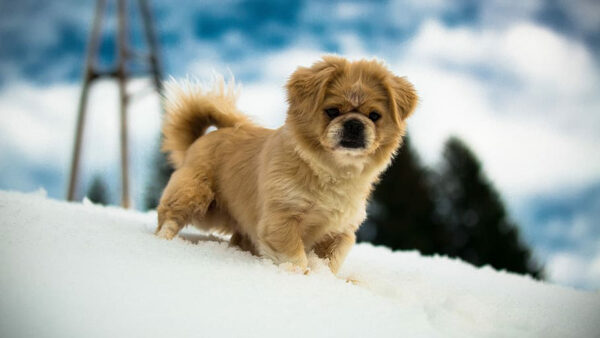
{"points": [[353, 134]]}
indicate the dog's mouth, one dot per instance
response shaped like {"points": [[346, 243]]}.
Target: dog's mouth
{"points": [[352, 144]]}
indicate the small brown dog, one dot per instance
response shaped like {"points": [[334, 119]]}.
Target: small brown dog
{"points": [[284, 192]]}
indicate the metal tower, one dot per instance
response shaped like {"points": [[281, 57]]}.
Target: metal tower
{"points": [[121, 73]]}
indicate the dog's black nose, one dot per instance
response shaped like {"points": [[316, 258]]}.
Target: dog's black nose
{"points": [[353, 128], [354, 134]]}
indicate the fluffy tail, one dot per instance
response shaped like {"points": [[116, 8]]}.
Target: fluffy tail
{"points": [[190, 109]]}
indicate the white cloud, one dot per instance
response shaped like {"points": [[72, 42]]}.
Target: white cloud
{"points": [[534, 131], [532, 54], [265, 103], [33, 121], [543, 58], [280, 65]]}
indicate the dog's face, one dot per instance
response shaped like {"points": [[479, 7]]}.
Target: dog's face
{"points": [[355, 110]]}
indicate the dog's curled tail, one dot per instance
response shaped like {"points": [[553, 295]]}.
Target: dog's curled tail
{"points": [[191, 108]]}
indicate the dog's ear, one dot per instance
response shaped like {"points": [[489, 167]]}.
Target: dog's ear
{"points": [[404, 97], [307, 86]]}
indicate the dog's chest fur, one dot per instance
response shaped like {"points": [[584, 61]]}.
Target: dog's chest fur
{"points": [[339, 206], [327, 205]]}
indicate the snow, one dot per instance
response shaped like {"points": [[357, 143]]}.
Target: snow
{"points": [[82, 270]]}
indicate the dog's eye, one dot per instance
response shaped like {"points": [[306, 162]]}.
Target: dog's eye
{"points": [[332, 112], [374, 116]]}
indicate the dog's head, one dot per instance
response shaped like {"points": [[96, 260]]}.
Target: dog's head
{"points": [[351, 109]]}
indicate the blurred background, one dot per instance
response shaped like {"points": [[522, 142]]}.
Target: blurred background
{"points": [[502, 161]]}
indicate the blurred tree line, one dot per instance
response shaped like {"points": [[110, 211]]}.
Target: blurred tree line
{"points": [[453, 211]]}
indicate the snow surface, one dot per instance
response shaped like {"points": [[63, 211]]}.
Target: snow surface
{"points": [[81, 270]]}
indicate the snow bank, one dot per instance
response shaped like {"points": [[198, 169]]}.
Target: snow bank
{"points": [[80, 270]]}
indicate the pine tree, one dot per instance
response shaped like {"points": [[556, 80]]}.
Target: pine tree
{"points": [[477, 221], [98, 193]]}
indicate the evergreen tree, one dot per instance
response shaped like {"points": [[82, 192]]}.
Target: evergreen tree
{"points": [[477, 222], [97, 192]]}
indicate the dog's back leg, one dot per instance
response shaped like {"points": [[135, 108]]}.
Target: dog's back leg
{"points": [[187, 196]]}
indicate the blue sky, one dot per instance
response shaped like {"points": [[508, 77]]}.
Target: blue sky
{"points": [[518, 81]]}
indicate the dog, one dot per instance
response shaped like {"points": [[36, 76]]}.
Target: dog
{"points": [[286, 192]]}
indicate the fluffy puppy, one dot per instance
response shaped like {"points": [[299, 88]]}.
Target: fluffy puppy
{"points": [[282, 193]]}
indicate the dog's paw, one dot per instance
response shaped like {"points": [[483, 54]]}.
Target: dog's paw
{"points": [[296, 263], [168, 230], [165, 233], [293, 268]]}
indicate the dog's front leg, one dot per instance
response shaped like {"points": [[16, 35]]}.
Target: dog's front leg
{"points": [[335, 248], [281, 241]]}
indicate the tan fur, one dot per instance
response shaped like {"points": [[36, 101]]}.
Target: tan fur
{"points": [[283, 192]]}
